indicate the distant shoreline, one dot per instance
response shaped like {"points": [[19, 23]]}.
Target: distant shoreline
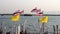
{"points": [[34, 14]]}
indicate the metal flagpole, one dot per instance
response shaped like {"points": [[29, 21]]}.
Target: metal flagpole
{"points": [[16, 28], [24, 27], [19, 29], [13, 26], [42, 28], [5, 29]]}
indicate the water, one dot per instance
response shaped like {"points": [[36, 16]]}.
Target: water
{"points": [[32, 25]]}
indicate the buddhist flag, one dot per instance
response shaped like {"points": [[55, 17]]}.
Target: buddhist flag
{"points": [[44, 19], [15, 18]]}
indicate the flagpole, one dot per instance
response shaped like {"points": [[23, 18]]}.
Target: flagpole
{"points": [[15, 27], [19, 29], [12, 28], [24, 27], [43, 20], [42, 28]]}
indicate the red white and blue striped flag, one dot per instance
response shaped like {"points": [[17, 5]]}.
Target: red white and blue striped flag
{"points": [[37, 11], [20, 12], [34, 10]]}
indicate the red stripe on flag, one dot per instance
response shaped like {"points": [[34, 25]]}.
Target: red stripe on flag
{"points": [[34, 10], [39, 14], [38, 11], [22, 12]]}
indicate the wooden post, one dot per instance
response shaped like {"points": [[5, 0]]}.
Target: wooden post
{"points": [[7, 32], [57, 28], [53, 29], [1, 29]]}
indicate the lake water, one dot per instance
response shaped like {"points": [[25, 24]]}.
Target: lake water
{"points": [[32, 25]]}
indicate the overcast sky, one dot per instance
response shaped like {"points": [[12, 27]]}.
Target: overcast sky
{"points": [[48, 6]]}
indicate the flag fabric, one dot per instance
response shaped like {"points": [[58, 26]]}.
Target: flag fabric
{"points": [[44, 19], [22, 12], [39, 14], [15, 18], [39, 10], [18, 11], [34, 10]]}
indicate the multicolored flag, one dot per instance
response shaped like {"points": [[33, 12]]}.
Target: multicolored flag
{"points": [[44, 19]]}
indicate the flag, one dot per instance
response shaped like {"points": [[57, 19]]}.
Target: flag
{"points": [[39, 10], [15, 18], [39, 14], [34, 10], [44, 19], [18, 11], [22, 12]]}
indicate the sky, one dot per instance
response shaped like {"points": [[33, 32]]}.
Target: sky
{"points": [[48, 6]]}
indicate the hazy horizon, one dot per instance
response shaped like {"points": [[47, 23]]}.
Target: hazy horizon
{"points": [[48, 6]]}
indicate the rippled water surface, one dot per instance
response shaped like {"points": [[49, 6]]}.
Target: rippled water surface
{"points": [[32, 25]]}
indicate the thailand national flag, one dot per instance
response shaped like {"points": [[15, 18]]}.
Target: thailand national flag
{"points": [[34, 10], [20, 12], [39, 14], [38, 11]]}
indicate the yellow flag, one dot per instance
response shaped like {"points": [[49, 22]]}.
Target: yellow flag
{"points": [[44, 19], [15, 18]]}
